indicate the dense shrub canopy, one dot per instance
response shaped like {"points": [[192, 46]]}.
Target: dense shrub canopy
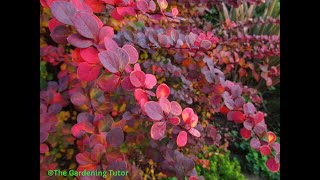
{"points": [[154, 76]]}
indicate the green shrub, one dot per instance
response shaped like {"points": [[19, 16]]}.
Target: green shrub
{"points": [[221, 167]]}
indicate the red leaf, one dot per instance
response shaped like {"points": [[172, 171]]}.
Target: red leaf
{"points": [[115, 15], [136, 67], [194, 132], [126, 84], [272, 165], [236, 116], [165, 105], [153, 110], [132, 52], [158, 130], [110, 44], [124, 11], [59, 34], [174, 12], [245, 133], [86, 24], [224, 110], [44, 148], [271, 137], [139, 95], [90, 55], [79, 41], [175, 108], [137, 78], [163, 90], [88, 72], [63, 11], [76, 56], [108, 82], [174, 120], [53, 23], [142, 5], [95, 5], [259, 117], [189, 117], [182, 138], [150, 81], [84, 158], [79, 129], [265, 150], [110, 60]]}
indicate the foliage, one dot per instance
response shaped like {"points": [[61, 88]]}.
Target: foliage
{"points": [[219, 166], [136, 74], [255, 162]]}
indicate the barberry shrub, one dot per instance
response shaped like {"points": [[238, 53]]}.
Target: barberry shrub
{"points": [[151, 73]]}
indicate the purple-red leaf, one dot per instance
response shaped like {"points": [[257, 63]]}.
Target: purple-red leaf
{"points": [[126, 84], [60, 33], [205, 44], [132, 52], [106, 31], [84, 158], [194, 132], [153, 110], [110, 60], [175, 108], [150, 81], [165, 104], [158, 130], [110, 44], [115, 137], [86, 24], [79, 41], [142, 5], [63, 11], [255, 143]]}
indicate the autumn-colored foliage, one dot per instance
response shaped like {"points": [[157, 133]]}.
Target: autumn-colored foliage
{"points": [[135, 74]]}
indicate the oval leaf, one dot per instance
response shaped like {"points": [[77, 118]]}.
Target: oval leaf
{"points": [[153, 110], [182, 138], [110, 60], [86, 24], [63, 11], [79, 41], [115, 137], [158, 130]]}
